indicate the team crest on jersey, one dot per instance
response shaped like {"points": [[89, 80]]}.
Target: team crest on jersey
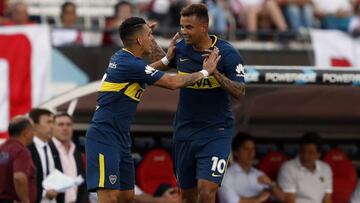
{"points": [[150, 70], [112, 179], [240, 70]]}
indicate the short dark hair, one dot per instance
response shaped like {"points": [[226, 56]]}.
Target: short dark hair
{"points": [[311, 138], [61, 114], [129, 27], [66, 4], [199, 10], [240, 138], [18, 125], [36, 113], [122, 3]]}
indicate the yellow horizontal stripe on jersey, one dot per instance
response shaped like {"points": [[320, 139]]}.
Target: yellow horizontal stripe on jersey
{"points": [[206, 83], [134, 91], [112, 86]]}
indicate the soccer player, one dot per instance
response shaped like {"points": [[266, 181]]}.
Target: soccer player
{"points": [[110, 168], [203, 125]]}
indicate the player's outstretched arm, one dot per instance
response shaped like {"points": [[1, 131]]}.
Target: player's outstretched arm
{"points": [[158, 57], [236, 89], [177, 81]]}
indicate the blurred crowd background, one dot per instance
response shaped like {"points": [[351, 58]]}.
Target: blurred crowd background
{"points": [[93, 22]]}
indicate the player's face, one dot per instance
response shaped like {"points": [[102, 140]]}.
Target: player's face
{"points": [[146, 39], [192, 29]]}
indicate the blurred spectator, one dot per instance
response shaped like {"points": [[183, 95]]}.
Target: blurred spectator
{"points": [[18, 14], [354, 25], [242, 182], [3, 8], [123, 10], [143, 7], [355, 197], [70, 158], [17, 179], [159, 10], [251, 11], [68, 33], [68, 15], [41, 153], [220, 16], [333, 14], [306, 179], [298, 13]]}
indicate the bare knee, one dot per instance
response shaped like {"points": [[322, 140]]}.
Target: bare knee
{"points": [[128, 198], [105, 195], [115, 196], [189, 195], [207, 188]]}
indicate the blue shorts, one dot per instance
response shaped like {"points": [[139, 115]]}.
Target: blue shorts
{"points": [[202, 159], [108, 167]]}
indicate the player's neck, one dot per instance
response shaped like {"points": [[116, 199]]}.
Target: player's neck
{"points": [[134, 51], [205, 43]]}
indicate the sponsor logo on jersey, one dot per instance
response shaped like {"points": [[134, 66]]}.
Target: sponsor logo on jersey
{"points": [[240, 72], [183, 59], [150, 70], [206, 83], [216, 175]]}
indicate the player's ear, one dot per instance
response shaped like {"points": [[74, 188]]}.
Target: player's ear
{"points": [[139, 41], [205, 28]]}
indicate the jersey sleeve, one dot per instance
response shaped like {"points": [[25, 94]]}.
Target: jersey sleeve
{"points": [[147, 73], [234, 66], [135, 70]]}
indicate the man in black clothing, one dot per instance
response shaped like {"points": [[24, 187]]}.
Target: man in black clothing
{"points": [[41, 153]]}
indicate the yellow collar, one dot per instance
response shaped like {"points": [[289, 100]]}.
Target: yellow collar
{"points": [[215, 39], [124, 49]]}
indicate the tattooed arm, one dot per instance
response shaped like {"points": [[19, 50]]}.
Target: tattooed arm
{"points": [[177, 81], [174, 82], [236, 89], [157, 53]]}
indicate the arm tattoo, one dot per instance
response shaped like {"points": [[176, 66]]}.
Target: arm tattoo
{"points": [[157, 53], [236, 89], [191, 79]]}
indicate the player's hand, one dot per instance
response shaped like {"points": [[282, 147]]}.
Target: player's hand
{"points": [[171, 49], [263, 196], [152, 25], [51, 194], [171, 196], [211, 61], [264, 179]]}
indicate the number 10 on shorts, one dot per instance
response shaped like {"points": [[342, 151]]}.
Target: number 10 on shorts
{"points": [[218, 165]]}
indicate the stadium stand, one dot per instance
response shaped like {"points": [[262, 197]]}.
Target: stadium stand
{"points": [[271, 163], [156, 168], [344, 175]]}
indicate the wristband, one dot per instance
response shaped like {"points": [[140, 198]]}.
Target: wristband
{"points": [[165, 61], [205, 73]]}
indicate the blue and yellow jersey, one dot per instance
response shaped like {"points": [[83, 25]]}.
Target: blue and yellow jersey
{"points": [[205, 105], [122, 87]]}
